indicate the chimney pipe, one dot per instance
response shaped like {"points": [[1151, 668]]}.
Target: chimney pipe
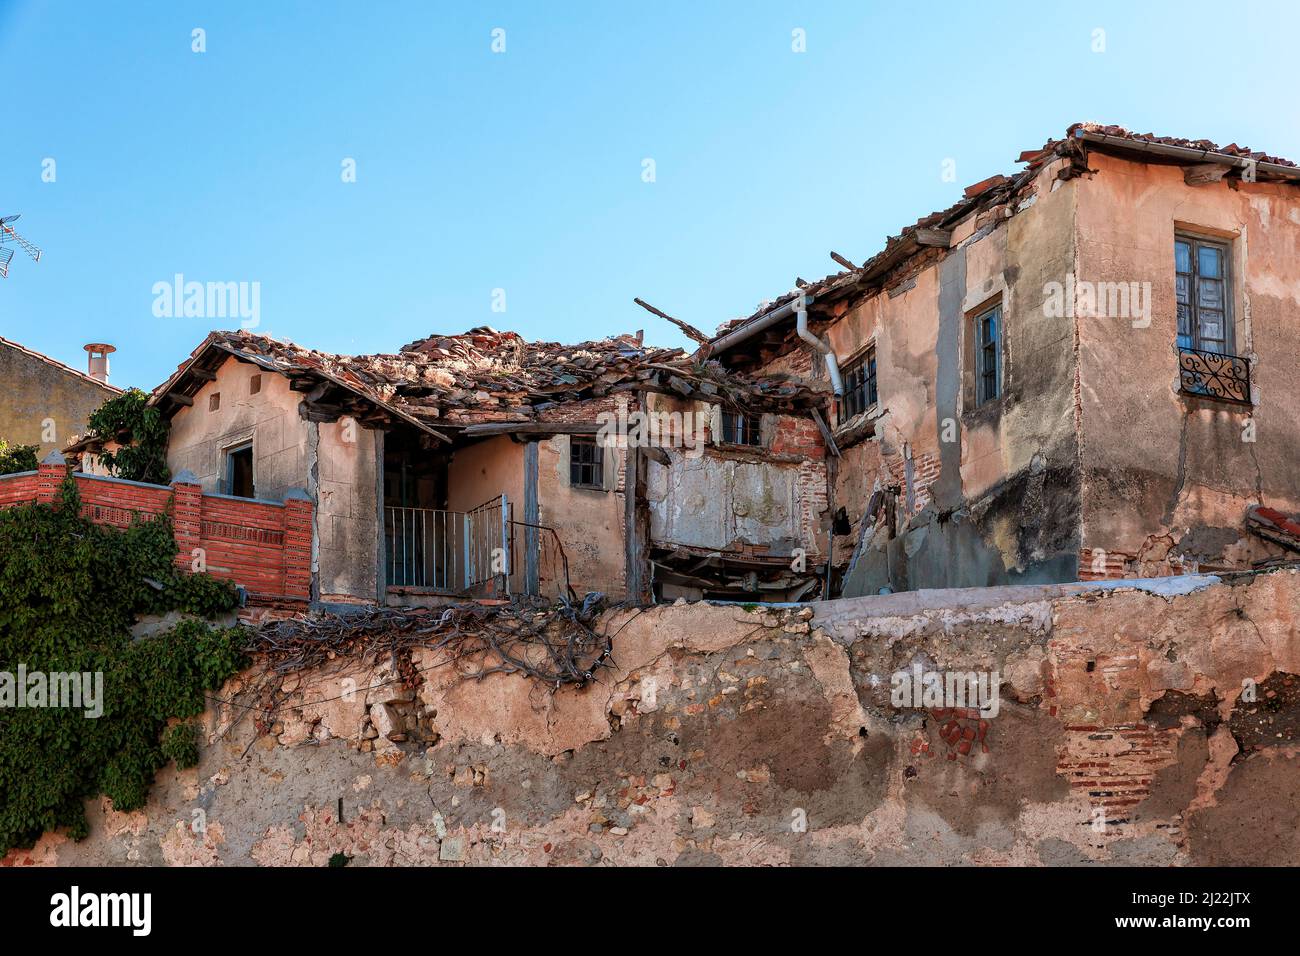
{"points": [[97, 362]]}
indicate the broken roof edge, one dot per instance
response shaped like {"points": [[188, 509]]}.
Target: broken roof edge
{"points": [[669, 372], [214, 340], [1079, 138]]}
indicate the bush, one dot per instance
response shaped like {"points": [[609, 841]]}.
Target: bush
{"points": [[142, 432], [69, 592], [16, 458], [180, 743]]}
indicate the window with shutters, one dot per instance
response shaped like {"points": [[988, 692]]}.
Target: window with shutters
{"points": [[1206, 342], [1201, 268]]}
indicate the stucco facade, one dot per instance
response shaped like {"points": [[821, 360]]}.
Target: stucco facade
{"points": [[44, 402], [334, 463], [1167, 476], [1092, 460]]}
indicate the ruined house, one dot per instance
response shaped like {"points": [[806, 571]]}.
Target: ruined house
{"points": [[483, 465], [1081, 370], [45, 402]]}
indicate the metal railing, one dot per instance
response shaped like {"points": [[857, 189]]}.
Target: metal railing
{"points": [[547, 573], [449, 551], [1214, 375], [487, 543]]}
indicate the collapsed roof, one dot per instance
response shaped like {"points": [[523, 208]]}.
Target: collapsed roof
{"points": [[447, 382], [991, 199]]}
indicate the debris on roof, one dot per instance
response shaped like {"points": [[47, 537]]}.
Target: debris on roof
{"points": [[480, 376]]}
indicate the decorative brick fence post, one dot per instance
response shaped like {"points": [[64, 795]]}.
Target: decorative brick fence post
{"points": [[297, 544], [187, 517], [49, 475]]}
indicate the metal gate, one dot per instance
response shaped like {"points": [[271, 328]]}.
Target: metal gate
{"points": [[451, 551]]}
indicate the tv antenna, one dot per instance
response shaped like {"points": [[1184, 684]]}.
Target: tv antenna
{"points": [[8, 235]]}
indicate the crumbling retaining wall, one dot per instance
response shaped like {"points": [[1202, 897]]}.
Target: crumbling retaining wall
{"points": [[737, 735]]}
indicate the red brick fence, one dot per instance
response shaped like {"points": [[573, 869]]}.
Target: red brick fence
{"points": [[264, 546]]}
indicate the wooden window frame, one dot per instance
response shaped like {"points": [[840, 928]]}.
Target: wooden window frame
{"points": [[1224, 246], [590, 465], [742, 429], [983, 348], [228, 469]]}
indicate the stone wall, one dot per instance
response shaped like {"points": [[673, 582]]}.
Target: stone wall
{"points": [[739, 735]]}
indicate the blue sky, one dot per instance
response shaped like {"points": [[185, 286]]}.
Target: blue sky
{"points": [[523, 170]]}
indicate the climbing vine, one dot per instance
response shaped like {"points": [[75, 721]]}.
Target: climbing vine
{"points": [[141, 431], [16, 458], [70, 591]]}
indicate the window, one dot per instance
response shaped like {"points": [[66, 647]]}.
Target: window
{"points": [[214, 401], [586, 465], [239, 471], [254, 385], [859, 386], [741, 429], [1206, 365], [1201, 273], [988, 355]]}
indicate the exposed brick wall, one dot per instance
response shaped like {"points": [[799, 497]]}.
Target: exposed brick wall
{"points": [[1098, 564], [263, 546], [925, 472], [811, 488], [20, 489], [797, 436]]}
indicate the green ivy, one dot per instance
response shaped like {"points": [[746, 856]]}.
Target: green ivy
{"points": [[70, 591], [16, 458], [180, 744], [141, 430]]}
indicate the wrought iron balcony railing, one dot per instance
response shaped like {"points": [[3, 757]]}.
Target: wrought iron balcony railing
{"points": [[1214, 375]]}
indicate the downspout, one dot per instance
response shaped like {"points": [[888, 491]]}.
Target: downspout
{"points": [[801, 327], [798, 306]]}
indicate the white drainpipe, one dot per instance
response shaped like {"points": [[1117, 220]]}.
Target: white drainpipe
{"points": [[801, 327]]}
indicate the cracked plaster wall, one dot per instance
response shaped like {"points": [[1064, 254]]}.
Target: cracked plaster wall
{"points": [[1123, 737]]}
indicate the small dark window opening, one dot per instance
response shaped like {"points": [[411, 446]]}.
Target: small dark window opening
{"points": [[1202, 285], [859, 386], [239, 472], [741, 429], [254, 385], [988, 355], [586, 463], [214, 401]]}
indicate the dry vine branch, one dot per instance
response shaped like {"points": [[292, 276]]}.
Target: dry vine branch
{"points": [[551, 643]]}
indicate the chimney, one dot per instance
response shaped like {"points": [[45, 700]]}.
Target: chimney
{"points": [[97, 364]]}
